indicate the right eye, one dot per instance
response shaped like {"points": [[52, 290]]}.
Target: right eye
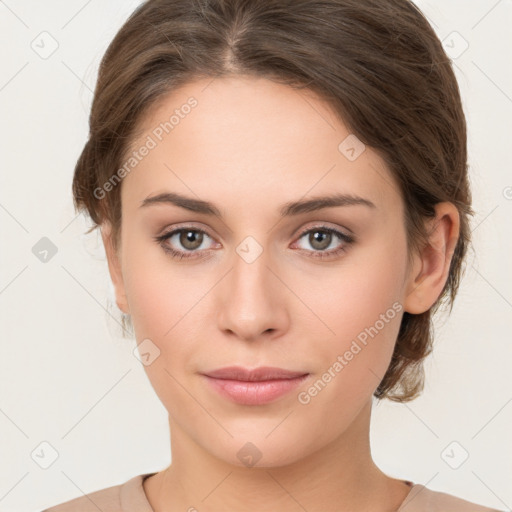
{"points": [[190, 238]]}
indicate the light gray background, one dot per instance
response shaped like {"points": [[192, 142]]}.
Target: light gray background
{"points": [[69, 379]]}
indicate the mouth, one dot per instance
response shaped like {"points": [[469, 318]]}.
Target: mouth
{"points": [[254, 387]]}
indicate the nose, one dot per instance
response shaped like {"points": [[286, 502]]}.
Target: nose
{"points": [[252, 300]]}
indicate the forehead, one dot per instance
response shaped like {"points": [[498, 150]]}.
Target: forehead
{"points": [[244, 137]]}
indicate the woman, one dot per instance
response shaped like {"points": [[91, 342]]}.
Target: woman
{"points": [[282, 192]]}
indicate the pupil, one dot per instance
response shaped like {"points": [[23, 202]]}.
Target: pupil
{"points": [[321, 236], [187, 239]]}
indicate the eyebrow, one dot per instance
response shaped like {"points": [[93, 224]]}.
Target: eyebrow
{"points": [[287, 210]]}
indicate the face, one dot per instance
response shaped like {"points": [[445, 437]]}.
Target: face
{"points": [[262, 282]]}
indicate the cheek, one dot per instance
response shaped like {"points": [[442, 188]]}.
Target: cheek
{"points": [[363, 309], [162, 306], [157, 296], [155, 302], [167, 306]]}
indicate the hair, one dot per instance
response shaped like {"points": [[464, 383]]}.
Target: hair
{"points": [[377, 63]]}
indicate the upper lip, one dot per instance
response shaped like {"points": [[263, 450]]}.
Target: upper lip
{"points": [[257, 374]]}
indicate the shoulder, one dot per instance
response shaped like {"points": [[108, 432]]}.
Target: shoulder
{"points": [[110, 499], [106, 500], [422, 499], [126, 497]]}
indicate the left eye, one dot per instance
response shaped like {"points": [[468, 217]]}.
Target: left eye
{"points": [[191, 239], [320, 238]]}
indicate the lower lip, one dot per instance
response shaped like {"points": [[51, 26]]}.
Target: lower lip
{"points": [[254, 393]]}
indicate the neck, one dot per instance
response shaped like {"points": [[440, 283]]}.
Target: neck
{"points": [[341, 476]]}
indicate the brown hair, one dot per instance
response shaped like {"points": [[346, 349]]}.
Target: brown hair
{"points": [[379, 65]]}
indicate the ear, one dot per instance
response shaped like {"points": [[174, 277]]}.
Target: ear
{"points": [[114, 268], [431, 266]]}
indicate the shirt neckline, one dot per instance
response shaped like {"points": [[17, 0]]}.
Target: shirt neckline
{"points": [[134, 499]]}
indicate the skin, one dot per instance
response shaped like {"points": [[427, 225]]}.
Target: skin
{"points": [[250, 146]]}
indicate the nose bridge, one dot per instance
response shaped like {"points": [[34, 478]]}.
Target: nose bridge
{"points": [[250, 278], [251, 302]]}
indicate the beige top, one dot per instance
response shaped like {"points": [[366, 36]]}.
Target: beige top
{"points": [[130, 497]]}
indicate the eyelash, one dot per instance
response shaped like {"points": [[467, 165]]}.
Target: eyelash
{"points": [[347, 239]]}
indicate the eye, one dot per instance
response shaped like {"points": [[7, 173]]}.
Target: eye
{"points": [[323, 237], [189, 238], [189, 241]]}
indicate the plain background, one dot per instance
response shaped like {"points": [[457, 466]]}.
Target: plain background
{"points": [[70, 386]]}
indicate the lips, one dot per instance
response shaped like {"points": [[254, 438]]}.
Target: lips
{"points": [[254, 387], [263, 373]]}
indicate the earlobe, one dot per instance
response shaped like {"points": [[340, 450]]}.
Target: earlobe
{"points": [[432, 264], [114, 268]]}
